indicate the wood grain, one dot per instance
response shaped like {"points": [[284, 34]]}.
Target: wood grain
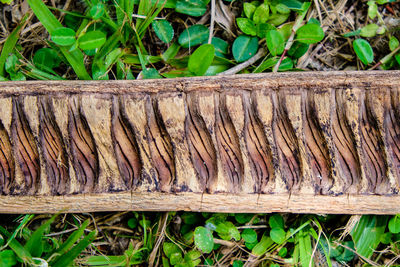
{"points": [[292, 142]]}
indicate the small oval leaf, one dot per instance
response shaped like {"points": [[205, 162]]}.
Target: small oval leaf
{"points": [[201, 59], [163, 30], [203, 239], [247, 26], [310, 34], [63, 36], [92, 40], [364, 51], [194, 35], [244, 47], [275, 42]]}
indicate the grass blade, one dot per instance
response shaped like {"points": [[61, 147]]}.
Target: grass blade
{"points": [[10, 43], [34, 244], [18, 249], [68, 258]]}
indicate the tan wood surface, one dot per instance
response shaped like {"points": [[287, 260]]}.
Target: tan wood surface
{"points": [[304, 142]]}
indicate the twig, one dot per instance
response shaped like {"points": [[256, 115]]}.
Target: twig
{"points": [[261, 52], [386, 58], [153, 254], [290, 41], [212, 21], [224, 242], [355, 252]]}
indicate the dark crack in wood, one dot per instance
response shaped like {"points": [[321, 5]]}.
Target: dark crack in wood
{"points": [[345, 145], [228, 145], [260, 156], [202, 150], [84, 153], [392, 127], [25, 146], [316, 146], [53, 148], [7, 164], [125, 146], [161, 149], [287, 144]]}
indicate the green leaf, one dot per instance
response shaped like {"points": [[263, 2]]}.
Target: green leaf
{"points": [[163, 30], [367, 232], [372, 9], [345, 254], [194, 8], [275, 42], [132, 223], [150, 73], [283, 9], [263, 29], [35, 242], [261, 14], [303, 240], [194, 35], [298, 50], [92, 40], [369, 30], [7, 258], [247, 26], [249, 235], [18, 249], [394, 225], [277, 19], [276, 221], [278, 235], [10, 43], [215, 69], [171, 52], [265, 243], [221, 46], [243, 218], [292, 4], [237, 263], [63, 36], [203, 239], [191, 217], [310, 34], [249, 9], [363, 51], [244, 47], [68, 258], [97, 11], [393, 43], [46, 59], [170, 248], [201, 59]]}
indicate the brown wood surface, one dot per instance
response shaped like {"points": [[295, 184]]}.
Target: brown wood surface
{"points": [[306, 142]]}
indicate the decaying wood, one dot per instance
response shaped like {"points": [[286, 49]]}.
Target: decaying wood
{"points": [[293, 142]]}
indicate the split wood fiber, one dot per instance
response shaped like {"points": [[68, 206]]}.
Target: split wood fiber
{"points": [[306, 142]]}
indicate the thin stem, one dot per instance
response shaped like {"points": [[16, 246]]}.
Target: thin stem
{"points": [[386, 58], [261, 52]]}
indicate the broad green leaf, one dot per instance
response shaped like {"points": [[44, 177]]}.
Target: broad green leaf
{"points": [[298, 50], [283, 252], [171, 52], [310, 34], [263, 28], [275, 42], [292, 4], [286, 30], [249, 9], [372, 9], [194, 8], [97, 11], [150, 73], [243, 218], [367, 232], [247, 26], [67, 258], [262, 246], [386, 238], [170, 248], [261, 14], [46, 59], [221, 46], [278, 235], [369, 30], [227, 230], [283, 9], [237, 263], [203, 239], [394, 225], [192, 258], [305, 248], [7, 258], [92, 40], [276, 221], [215, 69], [194, 35], [249, 235], [163, 30], [363, 51], [397, 57], [244, 47], [63, 36], [393, 43], [277, 19]]}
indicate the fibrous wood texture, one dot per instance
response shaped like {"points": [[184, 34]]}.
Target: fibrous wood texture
{"points": [[294, 142]]}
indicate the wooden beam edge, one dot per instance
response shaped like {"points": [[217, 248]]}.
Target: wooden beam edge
{"points": [[237, 203]]}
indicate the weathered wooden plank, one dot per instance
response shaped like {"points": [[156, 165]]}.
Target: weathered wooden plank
{"points": [[293, 142]]}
